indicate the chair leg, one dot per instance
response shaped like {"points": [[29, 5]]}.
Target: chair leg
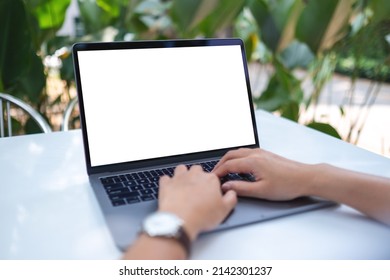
{"points": [[9, 119], [1, 119]]}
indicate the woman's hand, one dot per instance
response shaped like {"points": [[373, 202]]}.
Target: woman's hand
{"points": [[276, 178]]}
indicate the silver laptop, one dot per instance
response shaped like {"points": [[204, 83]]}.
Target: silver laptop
{"points": [[148, 106]]}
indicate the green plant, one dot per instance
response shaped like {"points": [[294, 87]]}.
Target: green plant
{"points": [[26, 25], [287, 34], [311, 34], [364, 52], [299, 34]]}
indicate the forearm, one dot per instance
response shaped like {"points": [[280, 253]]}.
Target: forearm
{"points": [[147, 248], [367, 193]]}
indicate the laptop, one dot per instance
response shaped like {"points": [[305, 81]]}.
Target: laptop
{"points": [[147, 106]]}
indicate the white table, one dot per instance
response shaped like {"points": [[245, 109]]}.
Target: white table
{"points": [[48, 210]]}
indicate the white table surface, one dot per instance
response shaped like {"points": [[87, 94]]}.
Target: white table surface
{"points": [[49, 211]]}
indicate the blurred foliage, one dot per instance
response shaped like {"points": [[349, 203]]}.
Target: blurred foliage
{"points": [[298, 34], [314, 35], [287, 34], [367, 53]]}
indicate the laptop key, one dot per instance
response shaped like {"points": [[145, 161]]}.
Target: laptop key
{"points": [[131, 183], [117, 179], [137, 188], [131, 176], [134, 176], [237, 177], [132, 200], [247, 177], [154, 179], [143, 181], [124, 195], [118, 191], [113, 186], [150, 186], [118, 202], [122, 178], [147, 197], [107, 181], [143, 186], [168, 171], [159, 172], [146, 192], [234, 176]]}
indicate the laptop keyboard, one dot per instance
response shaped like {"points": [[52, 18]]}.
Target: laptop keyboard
{"points": [[142, 186]]}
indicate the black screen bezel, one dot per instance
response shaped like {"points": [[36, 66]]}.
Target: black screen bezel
{"points": [[148, 45]]}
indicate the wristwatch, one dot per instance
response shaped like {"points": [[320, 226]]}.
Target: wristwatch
{"points": [[166, 225]]}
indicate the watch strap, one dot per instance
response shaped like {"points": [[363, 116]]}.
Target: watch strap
{"points": [[181, 237], [184, 240], [179, 234]]}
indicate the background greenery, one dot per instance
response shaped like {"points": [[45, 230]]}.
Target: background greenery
{"points": [[348, 36]]}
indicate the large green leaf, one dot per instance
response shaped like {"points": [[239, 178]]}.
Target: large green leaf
{"points": [[322, 23], [297, 54], [380, 9], [111, 7], [268, 29], [15, 47], [45, 17], [283, 93], [21, 70], [205, 17], [291, 111], [288, 81], [95, 17], [31, 83], [314, 21], [184, 12], [289, 15], [51, 13], [188, 13], [221, 17], [325, 128], [276, 21], [245, 28], [274, 97]]}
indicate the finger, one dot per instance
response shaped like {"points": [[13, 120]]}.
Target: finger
{"points": [[240, 165], [164, 179], [243, 152], [243, 188], [180, 169], [229, 200], [196, 167], [162, 189]]}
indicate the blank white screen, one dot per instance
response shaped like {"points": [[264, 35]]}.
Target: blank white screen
{"points": [[151, 103]]}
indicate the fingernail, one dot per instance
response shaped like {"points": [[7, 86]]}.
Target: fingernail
{"points": [[227, 186]]}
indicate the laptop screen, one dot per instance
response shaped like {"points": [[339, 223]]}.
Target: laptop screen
{"points": [[151, 103]]}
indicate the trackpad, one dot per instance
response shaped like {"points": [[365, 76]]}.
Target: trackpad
{"points": [[249, 210]]}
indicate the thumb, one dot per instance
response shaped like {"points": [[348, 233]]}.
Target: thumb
{"points": [[242, 188], [230, 200]]}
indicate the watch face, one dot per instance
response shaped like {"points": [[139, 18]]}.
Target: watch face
{"points": [[162, 224]]}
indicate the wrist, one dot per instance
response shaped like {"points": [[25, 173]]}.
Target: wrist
{"points": [[168, 225], [191, 229], [188, 220], [314, 177]]}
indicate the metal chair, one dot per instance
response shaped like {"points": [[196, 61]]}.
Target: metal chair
{"points": [[68, 113], [5, 114]]}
